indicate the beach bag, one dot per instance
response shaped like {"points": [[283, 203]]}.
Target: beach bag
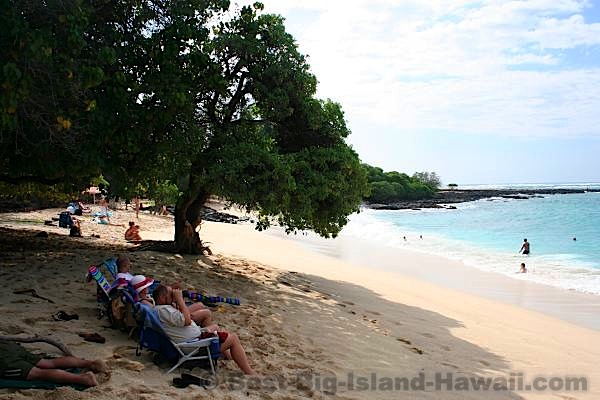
{"points": [[121, 315], [65, 220]]}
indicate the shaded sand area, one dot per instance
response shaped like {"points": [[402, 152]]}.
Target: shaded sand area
{"points": [[301, 313]]}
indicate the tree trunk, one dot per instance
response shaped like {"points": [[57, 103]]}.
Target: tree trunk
{"points": [[187, 219]]}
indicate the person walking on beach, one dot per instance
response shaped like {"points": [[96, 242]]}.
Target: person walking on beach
{"points": [[524, 247], [136, 201]]}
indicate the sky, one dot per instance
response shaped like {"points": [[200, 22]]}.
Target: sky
{"points": [[477, 91]]}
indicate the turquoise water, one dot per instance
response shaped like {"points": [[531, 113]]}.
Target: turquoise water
{"points": [[487, 234]]}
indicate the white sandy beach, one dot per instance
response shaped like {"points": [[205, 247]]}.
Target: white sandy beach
{"points": [[301, 312]]}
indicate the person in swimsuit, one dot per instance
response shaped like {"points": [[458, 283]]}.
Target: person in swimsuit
{"points": [[132, 234], [523, 269], [525, 247]]}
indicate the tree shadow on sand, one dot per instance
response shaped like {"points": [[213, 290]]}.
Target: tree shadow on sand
{"points": [[290, 323]]}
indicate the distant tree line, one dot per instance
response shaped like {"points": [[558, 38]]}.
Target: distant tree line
{"points": [[393, 186]]}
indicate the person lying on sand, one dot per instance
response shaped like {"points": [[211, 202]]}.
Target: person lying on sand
{"points": [[178, 324], [18, 363], [132, 234], [104, 220]]}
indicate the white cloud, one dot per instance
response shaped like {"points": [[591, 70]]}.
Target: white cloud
{"points": [[495, 67]]}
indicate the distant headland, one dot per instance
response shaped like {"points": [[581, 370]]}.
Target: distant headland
{"points": [[445, 198]]}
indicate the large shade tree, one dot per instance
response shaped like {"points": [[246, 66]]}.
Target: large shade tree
{"points": [[215, 98], [45, 78]]}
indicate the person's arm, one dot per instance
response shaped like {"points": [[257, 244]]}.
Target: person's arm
{"points": [[178, 298], [147, 302]]}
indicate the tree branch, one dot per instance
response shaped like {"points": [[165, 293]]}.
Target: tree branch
{"points": [[61, 346], [239, 93], [31, 178], [212, 113]]}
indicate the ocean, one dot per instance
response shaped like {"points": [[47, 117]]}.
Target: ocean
{"points": [[487, 234]]}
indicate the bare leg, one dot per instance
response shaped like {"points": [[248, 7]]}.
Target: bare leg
{"points": [[227, 354], [196, 306], [71, 362], [61, 376], [212, 328], [232, 343], [202, 317]]}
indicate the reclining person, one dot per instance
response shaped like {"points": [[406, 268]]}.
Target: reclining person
{"points": [[123, 266], [141, 284], [179, 326], [200, 314], [18, 363]]}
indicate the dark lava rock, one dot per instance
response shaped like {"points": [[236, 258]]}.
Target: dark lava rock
{"points": [[461, 196]]}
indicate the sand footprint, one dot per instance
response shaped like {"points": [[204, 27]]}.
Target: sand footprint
{"points": [[126, 364]]}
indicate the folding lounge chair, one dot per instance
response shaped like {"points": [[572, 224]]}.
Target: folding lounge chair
{"points": [[96, 273], [111, 266], [195, 352], [106, 292], [104, 286]]}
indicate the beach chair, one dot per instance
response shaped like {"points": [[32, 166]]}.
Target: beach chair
{"points": [[103, 286], [110, 299], [189, 354], [111, 266]]}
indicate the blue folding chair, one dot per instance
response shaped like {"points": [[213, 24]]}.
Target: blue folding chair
{"points": [[189, 354], [111, 266]]}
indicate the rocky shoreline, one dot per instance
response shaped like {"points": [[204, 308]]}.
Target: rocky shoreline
{"points": [[445, 198]]}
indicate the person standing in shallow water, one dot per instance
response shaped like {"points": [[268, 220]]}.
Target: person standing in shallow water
{"points": [[524, 247]]}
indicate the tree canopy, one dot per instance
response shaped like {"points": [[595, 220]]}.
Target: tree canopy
{"points": [[395, 186], [430, 179], [215, 98]]}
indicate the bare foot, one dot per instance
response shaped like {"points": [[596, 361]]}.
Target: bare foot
{"points": [[103, 377], [89, 379], [98, 366]]}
